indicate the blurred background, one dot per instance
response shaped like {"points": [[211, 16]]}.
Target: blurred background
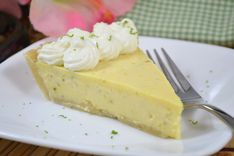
{"points": [[15, 34], [23, 22]]}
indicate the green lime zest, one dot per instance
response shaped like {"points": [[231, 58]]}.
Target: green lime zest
{"points": [[82, 37], [132, 32], [97, 45], [114, 132], [109, 38], [194, 122], [69, 35], [125, 22], [63, 116]]}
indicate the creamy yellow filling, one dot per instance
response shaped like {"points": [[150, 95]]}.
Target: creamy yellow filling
{"points": [[129, 88]]}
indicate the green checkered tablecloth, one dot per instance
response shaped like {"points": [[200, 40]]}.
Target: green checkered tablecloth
{"points": [[208, 21]]}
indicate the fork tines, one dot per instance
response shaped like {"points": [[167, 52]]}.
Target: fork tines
{"points": [[183, 88]]}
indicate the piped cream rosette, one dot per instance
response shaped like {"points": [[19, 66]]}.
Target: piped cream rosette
{"points": [[80, 50]]}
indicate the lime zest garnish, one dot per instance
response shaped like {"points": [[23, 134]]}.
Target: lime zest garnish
{"points": [[82, 37], [69, 35], [114, 132], [91, 35], [132, 31], [125, 22], [97, 45], [110, 37], [194, 122], [63, 116]]}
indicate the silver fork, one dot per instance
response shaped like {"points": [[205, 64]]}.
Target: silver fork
{"points": [[186, 92]]}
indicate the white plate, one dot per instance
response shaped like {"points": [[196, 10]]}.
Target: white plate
{"points": [[25, 115]]}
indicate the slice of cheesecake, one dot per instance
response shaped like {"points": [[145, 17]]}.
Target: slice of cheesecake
{"points": [[129, 88]]}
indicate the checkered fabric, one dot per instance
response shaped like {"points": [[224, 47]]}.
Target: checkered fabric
{"points": [[208, 21]]}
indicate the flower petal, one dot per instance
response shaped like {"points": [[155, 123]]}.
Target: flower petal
{"points": [[23, 2], [119, 7], [55, 17]]}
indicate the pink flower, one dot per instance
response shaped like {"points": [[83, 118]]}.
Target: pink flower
{"points": [[55, 17], [12, 6], [23, 2]]}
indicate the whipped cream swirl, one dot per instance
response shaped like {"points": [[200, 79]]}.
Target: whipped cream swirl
{"points": [[125, 31], [52, 53], [106, 42], [81, 50], [77, 33], [81, 58]]}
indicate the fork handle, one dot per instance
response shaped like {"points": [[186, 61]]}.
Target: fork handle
{"points": [[226, 118]]}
